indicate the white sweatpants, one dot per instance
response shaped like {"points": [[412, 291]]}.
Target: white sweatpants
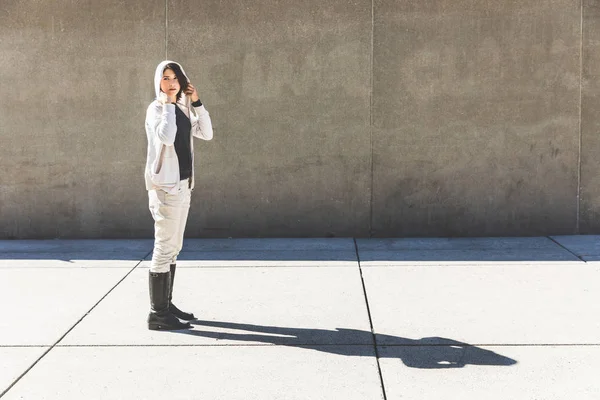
{"points": [[170, 212]]}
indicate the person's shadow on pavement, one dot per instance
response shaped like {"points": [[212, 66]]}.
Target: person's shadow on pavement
{"points": [[429, 353]]}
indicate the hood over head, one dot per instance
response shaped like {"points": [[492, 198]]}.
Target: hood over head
{"points": [[159, 73]]}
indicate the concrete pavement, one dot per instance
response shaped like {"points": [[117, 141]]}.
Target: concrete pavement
{"points": [[469, 318]]}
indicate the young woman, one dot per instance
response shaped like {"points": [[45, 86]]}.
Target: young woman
{"points": [[172, 120]]}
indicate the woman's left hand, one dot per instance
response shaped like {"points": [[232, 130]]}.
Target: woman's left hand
{"points": [[191, 92]]}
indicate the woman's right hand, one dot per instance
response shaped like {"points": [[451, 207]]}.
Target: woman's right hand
{"points": [[163, 98]]}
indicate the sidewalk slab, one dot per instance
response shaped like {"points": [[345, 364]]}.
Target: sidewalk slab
{"points": [[587, 247], [461, 251], [50, 261], [136, 248], [478, 243], [43, 304], [228, 259], [334, 252], [238, 305], [200, 372], [541, 372], [73, 253], [514, 304], [14, 361], [270, 244]]}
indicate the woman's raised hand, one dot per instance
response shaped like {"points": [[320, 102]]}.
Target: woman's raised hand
{"points": [[191, 92], [163, 98]]}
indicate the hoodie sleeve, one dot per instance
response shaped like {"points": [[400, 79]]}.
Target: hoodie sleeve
{"points": [[201, 123], [161, 121]]}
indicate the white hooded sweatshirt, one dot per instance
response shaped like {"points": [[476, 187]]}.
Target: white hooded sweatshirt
{"points": [[162, 165]]}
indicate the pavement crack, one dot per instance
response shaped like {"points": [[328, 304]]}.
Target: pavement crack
{"points": [[565, 248], [375, 347]]}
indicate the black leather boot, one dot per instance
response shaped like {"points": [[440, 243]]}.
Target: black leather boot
{"points": [[174, 310], [160, 317]]}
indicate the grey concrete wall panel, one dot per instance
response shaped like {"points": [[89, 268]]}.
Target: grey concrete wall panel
{"points": [[590, 120], [74, 83], [287, 84], [475, 117]]}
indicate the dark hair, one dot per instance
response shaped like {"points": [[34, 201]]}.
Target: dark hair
{"points": [[183, 82]]}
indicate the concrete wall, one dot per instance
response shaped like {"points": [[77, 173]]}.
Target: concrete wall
{"points": [[331, 117], [590, 121]]}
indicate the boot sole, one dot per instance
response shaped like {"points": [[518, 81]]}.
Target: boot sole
{"points": [[161, 327]]}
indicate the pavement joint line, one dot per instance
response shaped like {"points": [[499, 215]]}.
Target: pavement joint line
{"points": [[497, 345], [375, 347], [480, 264], [264, 266], [63, 268], [302, 344], [66, 333], [565, 248], [304, 266], [311, 345], [349, 250], [48, 253], [65, 346]]}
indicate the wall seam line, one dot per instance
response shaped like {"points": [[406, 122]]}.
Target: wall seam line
{"points": [[371, 115], [581, 47], [166, 29]]}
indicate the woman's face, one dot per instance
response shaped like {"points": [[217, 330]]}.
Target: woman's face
{"points": [[169, 83]]}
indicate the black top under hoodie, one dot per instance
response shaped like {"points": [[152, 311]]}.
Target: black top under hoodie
{"points": [[182, 142]]}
